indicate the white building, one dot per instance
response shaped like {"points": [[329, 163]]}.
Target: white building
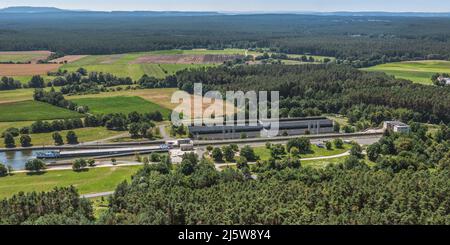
{"points": [[445, 80], [396, 126]]}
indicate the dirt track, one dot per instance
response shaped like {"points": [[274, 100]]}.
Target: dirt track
{"points": [[68, 59]]}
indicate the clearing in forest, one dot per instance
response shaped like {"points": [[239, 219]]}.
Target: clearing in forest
{"points": [[416, 71]]}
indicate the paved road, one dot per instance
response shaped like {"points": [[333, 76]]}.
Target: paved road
{"points": [[162, 131]]}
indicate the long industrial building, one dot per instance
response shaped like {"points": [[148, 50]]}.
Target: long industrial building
{"points": [[289, 126]]}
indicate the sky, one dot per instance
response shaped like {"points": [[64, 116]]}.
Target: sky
{"points": [[242, 5]]}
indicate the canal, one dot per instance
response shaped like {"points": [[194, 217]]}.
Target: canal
{"points": [[17, 159]]}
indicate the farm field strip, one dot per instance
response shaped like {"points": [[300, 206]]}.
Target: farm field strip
{"points": [[121, 104], [23, 56], [26, 69], [91, 181], [84, 135], [155, 63], [416, 71], [30, 110], [68, 59]]}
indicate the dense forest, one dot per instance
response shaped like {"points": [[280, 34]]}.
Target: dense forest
{"points": [[308, 90], [359, 40], [407, 182]]}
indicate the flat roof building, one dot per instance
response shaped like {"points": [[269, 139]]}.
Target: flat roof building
{"points": [[289, 126], [396, 126]]}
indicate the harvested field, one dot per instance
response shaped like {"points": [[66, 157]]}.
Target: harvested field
{"points": [[26, 69], [68, 59], [185, 59], [23, 56], [160, 96]]}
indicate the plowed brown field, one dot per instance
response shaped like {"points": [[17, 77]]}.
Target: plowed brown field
{"points": [[26, 69]]}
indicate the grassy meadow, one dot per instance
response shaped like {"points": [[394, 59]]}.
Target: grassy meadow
{"points": [[84, 135], [32, 111], [264, 153], [87, 182], [416, 71], [121, 104]]}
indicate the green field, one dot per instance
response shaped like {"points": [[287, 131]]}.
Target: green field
{"points": [[91, 181], [122, 64], [8, 96], [84, 135], [316, 57], [416, 71], [6, 125], [264, 153], [121, 104], [323, 163], [32, 111]]}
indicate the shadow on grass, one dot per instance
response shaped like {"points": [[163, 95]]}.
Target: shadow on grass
{"points": [[84, 170], [36, 173]]}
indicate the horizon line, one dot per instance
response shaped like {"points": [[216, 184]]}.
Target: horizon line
{"points": [[240, 11]]}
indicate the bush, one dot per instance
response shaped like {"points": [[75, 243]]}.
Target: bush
{"points": [[338, 143], [91, 162], [217, 154], [303, 145], [241, 163], [72, 138], [79, 164], [248, 153], [154, 157], [373, 152], [295, 152], [13, 131], [329, 146], [25, 130], [277, 151], [57, 138], [234, 147], [25, 141], [228, 153], [356, 151], [35, 165], [3, 170], [9, 140]]}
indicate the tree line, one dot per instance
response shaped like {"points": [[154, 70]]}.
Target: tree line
{"points": [[353, 40]]}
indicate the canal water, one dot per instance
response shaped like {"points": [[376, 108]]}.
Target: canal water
{"points": [[17, 159]]}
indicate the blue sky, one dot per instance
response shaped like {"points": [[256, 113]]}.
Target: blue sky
{"points": [[243, 5]]}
